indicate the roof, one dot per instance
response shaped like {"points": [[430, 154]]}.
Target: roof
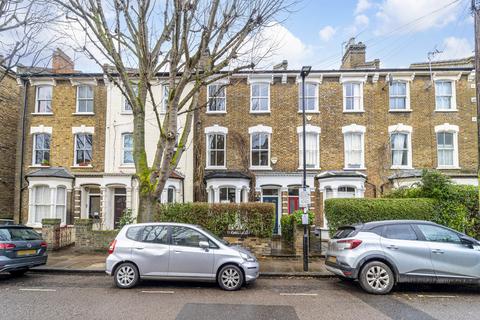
{"points": [[226, 175], [452, 63], [176, 175], [417, 173], [340, 174], [52, 172]]}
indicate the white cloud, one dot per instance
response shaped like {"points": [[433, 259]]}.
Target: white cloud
{"points": [[361, 20], [327, 32], [395, 13], [362, 6], [454, 48]]}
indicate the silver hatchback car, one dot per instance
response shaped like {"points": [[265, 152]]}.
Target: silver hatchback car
{"points": [[381, 254], [178, 251]]}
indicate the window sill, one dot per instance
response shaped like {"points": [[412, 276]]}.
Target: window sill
{"points": [[260, 168], [400, 110], [355, 169], [260, 112], [39, 166], [448, 110], [42, 113], [215, 168], [401, 168], [216, 112], [448, 168], [353, 111], [129, 113], [83, 113], [127, 166], [309, 111], [80, 167]]}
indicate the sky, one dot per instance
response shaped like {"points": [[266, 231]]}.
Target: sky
{"points": [[398, 32]]}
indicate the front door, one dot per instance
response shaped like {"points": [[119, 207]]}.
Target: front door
{"points": [[187, 259], [119, 205], [94, 207], [271, 196], [450, 258], [151, 252]]}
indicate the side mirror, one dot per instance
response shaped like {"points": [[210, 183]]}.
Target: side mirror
{"points": [[467, 242], [204, 244]]}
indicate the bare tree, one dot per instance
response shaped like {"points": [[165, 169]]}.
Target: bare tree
{"points": [[22, 40], [194, 42]]}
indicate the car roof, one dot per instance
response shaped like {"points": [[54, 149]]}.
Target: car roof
{"points": [[164, 223], [374, 224]]}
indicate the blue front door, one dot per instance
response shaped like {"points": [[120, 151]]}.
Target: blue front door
{"points": [[274, 200]]}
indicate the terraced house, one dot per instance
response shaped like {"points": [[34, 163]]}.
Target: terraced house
{"points": [[368, 129], [75, 157]]}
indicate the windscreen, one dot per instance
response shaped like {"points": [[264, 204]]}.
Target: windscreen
{"points": [[18, 234], [344, 232]]}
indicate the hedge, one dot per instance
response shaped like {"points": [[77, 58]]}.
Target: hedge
{"points": [[289, 221], [254, 219], [341, 212]]}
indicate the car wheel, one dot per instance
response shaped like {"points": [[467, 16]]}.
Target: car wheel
{"points": [[126, 276], [230, 278], [377, 278], [18, 273]]}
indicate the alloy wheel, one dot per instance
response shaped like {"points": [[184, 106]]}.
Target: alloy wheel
{"points": [[230, 278], [377, 278], [125, 275]]}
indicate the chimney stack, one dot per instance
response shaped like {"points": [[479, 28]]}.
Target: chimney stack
{"points": [[355, 57], [61, 62], [281, 66]]}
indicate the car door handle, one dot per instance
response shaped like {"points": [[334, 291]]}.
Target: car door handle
{"points": [[139, 248], [437, 251], [177, 251], [392, 247]]}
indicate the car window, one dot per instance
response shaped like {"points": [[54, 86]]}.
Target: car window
{"points": [[155, 234], [344, 232], [19, 234], [438, 234], [399, 231], [133, 232], [183, 236]]}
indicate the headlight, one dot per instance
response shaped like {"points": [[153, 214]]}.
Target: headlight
{"points": [[247, 257]]}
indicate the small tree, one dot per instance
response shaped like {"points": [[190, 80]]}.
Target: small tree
{"points": [[194, 43]]}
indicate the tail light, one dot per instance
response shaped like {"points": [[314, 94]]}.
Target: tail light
{"points": [[44, 244], [7, 246], [349, 244], [111, 247]]}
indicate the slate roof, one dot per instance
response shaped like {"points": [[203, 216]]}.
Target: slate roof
{"points": [[52, 172], [226, 175], [340, 174]]}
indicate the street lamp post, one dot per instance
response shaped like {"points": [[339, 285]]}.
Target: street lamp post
{"points": [[304, 73]]}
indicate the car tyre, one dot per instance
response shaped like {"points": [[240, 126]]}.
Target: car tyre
{"points": [[18, 273], [376, 278], [230, 278], [126, 275]]}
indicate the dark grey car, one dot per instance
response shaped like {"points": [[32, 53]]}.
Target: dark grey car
{"points": [[21, 248]]}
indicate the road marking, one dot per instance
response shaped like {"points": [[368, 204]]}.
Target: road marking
{"points": [[434, 296], [158, 291], [38, 289], [299, 294]]}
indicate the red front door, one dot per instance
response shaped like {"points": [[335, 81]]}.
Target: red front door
{"points": [[292, 204]]}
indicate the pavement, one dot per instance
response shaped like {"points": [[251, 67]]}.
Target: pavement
{"points": [[52, 296], [69, 261]]}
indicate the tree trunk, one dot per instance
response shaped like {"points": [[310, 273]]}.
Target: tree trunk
{"points": [[146, 207]]}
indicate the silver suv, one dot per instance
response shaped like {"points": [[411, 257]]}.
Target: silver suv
{"points": [[380, 254], [177, 251]]}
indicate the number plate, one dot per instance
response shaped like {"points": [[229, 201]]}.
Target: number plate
{"points": [[332, 259], [22, 253]]}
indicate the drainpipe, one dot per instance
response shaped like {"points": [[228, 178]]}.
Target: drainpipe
{"points": [[22, 148]]}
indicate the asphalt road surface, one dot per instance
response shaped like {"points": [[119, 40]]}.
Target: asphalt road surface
{"points": [[56, 296]]}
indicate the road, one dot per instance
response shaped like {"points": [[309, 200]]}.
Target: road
{"points": [[56, 296]]}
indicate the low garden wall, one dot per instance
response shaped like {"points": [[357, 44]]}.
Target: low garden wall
{"points": [[57, 236], [88, 240]]}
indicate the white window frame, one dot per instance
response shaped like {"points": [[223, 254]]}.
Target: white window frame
{"points": [[354, 129], [353, 78], [439, 77], [401, 128], [125, 101], [360, 107], [406, 78], [227, 187], [174, 194], [77, 111], [260, 83], [52, 203], [75, 164], [265, 130], [308, 82], [123, 150], [448, 128], [165, 91], [312, 130], [216, 129], [224, 87], [34, 143], [37, 90]]}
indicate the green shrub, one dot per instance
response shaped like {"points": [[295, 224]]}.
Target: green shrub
{"points": [[349, 211], [288, 227], [126, 218], [256, 219], [298, 216]]}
